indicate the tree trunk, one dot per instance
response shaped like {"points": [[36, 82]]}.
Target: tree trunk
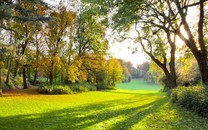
{"points": [[9, 70], [172, 43], [35, 75], [0, 83], [29, 77], [202, 62], [51, 78], [199, 52], [16, 68], [24, 77]]}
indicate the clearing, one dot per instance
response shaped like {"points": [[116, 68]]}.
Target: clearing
{"points": [[138, 107]]}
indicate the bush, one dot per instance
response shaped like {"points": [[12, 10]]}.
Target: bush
{"points": [[193, 98], [91, 87], [73, 88], [11, 85], [17, 81], [82, 87], [101, 86], [54, 90]]}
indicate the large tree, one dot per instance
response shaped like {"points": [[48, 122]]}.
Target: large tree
{"points": [[172, 18], [55, 35], [168, 16]]}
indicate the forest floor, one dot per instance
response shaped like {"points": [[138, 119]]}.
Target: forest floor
{"points": [[132, 106]]}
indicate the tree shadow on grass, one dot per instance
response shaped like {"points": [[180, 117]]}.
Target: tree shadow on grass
{"points": [[86, 116], [144, 92], [114, 114]]}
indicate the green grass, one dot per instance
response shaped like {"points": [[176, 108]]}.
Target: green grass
{"points": [[139, 84], [101, 110]]}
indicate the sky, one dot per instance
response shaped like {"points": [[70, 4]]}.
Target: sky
{"points": [[123, 51]]}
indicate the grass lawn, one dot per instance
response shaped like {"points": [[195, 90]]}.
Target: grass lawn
{"points": [[101, 110], [139, 84]]}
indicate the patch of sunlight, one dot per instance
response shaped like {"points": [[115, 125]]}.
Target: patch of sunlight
{"points": [[106, 124]]}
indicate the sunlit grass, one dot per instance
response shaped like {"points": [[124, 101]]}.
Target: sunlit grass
{"points": [[118, 109], [139, 84]]}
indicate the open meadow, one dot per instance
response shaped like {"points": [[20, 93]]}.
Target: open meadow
{"points": [[99, 110]]}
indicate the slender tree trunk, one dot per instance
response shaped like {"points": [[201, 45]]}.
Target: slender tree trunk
{"points": [[24, 77], [35, 75], [29, 77], [0, 82], [9, 70], [51, 78], [16, 68]]}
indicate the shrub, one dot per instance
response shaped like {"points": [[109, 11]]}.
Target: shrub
{"points": [[193, 98], [54, 90], [82, 87], [11, 85], [73, 88], [101, 86], [17, 81], [92, 87]]}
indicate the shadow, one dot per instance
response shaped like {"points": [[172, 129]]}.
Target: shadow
{"points": [[85, 116], [20, 92], [118, 114], [132, 92]]}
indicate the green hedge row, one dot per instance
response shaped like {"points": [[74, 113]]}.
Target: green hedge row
{"points": [[54, 90], [57, 89], [193, 98]]}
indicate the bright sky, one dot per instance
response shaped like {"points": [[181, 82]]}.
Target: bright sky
{"points": [[122, 51]]}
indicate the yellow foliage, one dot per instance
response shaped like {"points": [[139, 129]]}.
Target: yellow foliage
{"points": [[83, 76], [73, 73], [113, 72]]}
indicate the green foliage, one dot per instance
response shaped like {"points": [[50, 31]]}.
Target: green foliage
{"points": [[68, 89], [90, 34], [193, 98], [82, 87], [101, 86], [55, 90], [16, 82], [188, 72], [11, 84]]}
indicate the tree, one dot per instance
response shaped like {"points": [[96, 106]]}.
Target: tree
{"points": [[126, 72], [90, 34], [90, 43], [144, 15], [21, 11], [113, 72], [55, 32], [196, 43], [188, 71], [143, 68], [19, 17], [155, 48]]}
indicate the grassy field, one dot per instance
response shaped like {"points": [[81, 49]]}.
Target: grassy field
{"points": [[139, 84], [101, 110]]}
